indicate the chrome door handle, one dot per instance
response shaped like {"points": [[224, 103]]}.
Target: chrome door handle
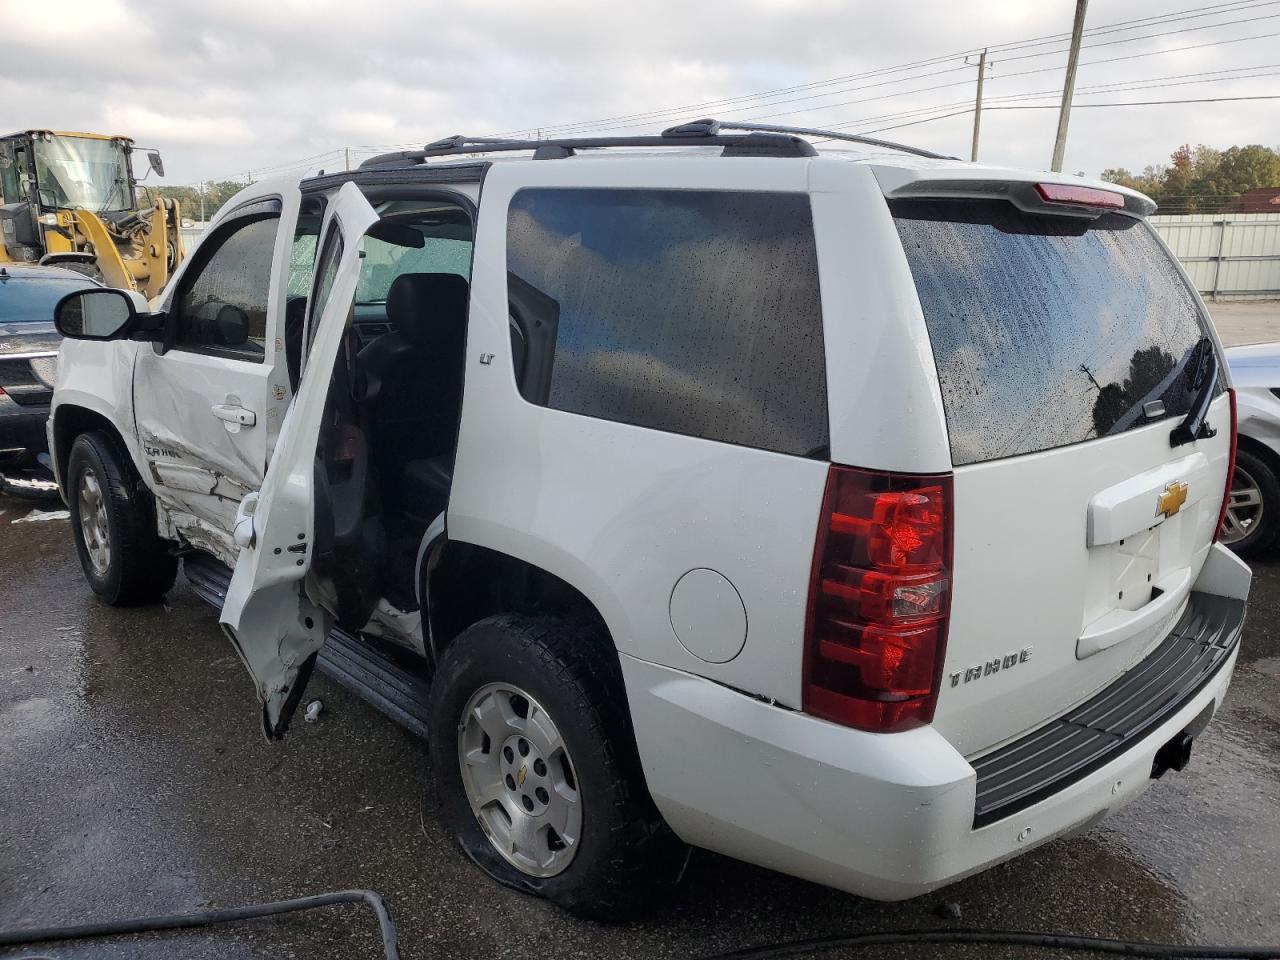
{"points": [[234, 416]]}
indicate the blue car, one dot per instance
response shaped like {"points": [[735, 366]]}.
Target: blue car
{"points": [[28, 359]]}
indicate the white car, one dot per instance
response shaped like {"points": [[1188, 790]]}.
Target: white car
{"points": [[1251, 525], [851, 513]]}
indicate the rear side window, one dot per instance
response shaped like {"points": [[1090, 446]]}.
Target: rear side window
{"points": [[694, 312], [1047, 331]]}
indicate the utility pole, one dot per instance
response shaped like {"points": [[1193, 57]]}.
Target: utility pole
{"points": [[346, 152], [1068, 88], [202, 183], [983, 66]]}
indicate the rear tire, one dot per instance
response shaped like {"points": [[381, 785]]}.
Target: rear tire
{"points": [[113, 521], [569, 684], [1253, 509]]}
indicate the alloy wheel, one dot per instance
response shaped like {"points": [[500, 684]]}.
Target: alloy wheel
{"points": [[93, 522], [1244, 507], [520, 780]]}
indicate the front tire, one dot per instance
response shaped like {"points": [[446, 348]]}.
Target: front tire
{"points": [[536, 771], [1251, 526], [114, 525]]}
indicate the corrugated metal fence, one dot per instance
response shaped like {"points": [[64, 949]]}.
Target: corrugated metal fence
{"points": [[1228, 256], [191, 234]]}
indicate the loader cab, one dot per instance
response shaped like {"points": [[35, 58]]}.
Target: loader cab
{"points": [[48, 177], [80, 171]]}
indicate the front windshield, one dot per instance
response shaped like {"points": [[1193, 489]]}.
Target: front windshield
{"points": [[82, 173]]}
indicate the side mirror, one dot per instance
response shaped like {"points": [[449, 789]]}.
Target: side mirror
{"points": [[98, 314], [153, 158]]}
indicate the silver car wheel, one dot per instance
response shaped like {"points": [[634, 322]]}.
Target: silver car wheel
{"points": [[93, 522], [1244, 507], [519, 780]]}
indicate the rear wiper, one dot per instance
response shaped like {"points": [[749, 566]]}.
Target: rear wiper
{"points": [[1194, 426]]}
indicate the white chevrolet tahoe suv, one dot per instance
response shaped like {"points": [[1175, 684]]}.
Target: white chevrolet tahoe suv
{"points": [[853, 513]]}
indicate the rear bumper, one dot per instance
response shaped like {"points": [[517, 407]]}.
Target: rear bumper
{"points": [[21, 427], [887, 816], [1117, 718]]}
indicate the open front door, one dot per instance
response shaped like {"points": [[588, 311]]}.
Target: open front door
{"points": [[274, 626]]}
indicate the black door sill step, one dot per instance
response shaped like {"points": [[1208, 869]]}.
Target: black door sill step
{"points": [[372, 675]]}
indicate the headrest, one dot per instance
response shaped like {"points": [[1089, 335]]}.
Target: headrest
{"points": [[428, 309]]}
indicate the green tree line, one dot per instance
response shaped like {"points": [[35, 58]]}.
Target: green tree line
{"points": [[216, 193], [1202, 179]]}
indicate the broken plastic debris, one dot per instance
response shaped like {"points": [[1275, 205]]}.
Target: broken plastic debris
{"points": [[314, 709], [36, 515]]}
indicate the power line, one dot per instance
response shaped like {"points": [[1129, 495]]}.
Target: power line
{"points": [[1147, 103], [1008, 76], [623, 121], [1050, 106], [746, 100], [943, 86], [1191, 13], [1151, 36], [1149, 83]]}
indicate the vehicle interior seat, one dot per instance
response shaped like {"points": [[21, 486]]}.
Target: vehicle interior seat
{"points": [[411, 390]]}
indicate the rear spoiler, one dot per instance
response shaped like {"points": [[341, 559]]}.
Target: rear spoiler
{"points": [[1031, 193]]}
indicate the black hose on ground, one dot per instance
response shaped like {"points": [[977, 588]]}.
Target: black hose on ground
{"points": [[204, 918], [1005, 938], [776, 951]]}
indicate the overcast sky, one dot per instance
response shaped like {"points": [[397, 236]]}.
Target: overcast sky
{"points": [[227, 86]]}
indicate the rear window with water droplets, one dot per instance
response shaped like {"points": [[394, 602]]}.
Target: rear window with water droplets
{"points": [[693, 312], [1047, 330]]}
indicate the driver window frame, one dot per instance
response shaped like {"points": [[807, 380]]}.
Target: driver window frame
{"points": [[256, 211]]}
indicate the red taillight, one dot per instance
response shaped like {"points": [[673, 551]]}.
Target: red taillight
{"points": [[1081, 196], [1231, 466], [879, 596]]}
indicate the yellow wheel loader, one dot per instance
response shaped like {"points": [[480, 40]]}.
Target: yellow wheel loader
{"points": [[71, 199]]}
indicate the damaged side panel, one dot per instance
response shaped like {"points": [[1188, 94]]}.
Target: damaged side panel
{"points": [[197, 466]]}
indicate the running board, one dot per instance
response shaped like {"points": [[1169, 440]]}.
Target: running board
{"points": [[370, 674]]}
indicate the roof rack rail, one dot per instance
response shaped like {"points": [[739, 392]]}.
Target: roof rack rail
{"points": [[748, 144], [756, 140], [715, 126]]}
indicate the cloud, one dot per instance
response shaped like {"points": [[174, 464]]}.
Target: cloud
{"points": [[226, 85], [150, 126]]}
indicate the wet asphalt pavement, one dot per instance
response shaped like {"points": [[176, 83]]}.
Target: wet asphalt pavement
{"points": [[134, 780]]}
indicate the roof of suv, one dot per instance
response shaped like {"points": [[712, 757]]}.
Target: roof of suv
{"points": [[902, 170]]}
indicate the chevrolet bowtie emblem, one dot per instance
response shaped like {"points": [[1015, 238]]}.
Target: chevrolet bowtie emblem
{"points": [[1171, 501], [520, 777]]}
